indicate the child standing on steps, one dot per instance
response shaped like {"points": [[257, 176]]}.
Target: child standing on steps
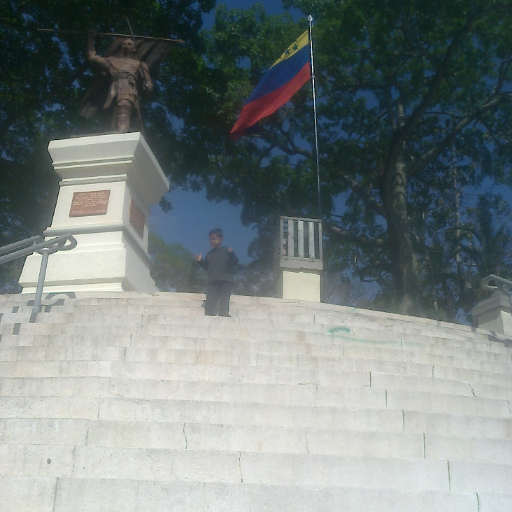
{"points": [[220, 264]]}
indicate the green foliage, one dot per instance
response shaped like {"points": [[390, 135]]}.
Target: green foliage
{"points": [[174, 267]]}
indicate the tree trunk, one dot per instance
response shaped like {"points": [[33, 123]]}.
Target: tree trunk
{"points": [[403, 259], [404, 265]]}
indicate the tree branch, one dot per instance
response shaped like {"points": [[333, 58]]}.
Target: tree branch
{"points": [[351, 237], [434, 152], [417, 114], [363, 194]]}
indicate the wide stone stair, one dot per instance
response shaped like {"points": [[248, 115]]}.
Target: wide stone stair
{"points": [[139, 403]]}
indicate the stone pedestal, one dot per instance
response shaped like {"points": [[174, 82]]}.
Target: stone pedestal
{"points": [[301, 284], [493, 314], [108, 184]]}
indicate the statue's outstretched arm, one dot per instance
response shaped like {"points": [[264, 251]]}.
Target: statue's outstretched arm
{"points": [[91, 52]]}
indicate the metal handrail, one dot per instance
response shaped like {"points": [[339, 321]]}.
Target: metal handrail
{"points": [[45, 248], [11, 247]]}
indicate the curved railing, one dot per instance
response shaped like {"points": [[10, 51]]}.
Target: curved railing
{"points": [[45, 248], [500, 284]]}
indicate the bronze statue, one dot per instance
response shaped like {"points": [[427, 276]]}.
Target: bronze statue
{"points": [[123, 73], [125, 76]]}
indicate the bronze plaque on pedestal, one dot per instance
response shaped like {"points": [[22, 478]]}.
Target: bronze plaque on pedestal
{"points": [[137, 218], [89, 203]]}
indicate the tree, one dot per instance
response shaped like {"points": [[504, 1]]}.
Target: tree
{"points": [[407, 90], [174, 267]]}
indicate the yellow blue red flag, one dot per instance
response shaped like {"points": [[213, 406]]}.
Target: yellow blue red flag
{"points": [[284, 78]]}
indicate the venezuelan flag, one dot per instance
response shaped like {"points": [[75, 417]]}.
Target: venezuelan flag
{"points": [[286, 76]]}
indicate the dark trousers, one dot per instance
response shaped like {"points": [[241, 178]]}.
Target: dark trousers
{"points": [[217, 291]]}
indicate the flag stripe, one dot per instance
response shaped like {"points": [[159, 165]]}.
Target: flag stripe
{"points": [[280, 73], [262, 107], [302, 41]]}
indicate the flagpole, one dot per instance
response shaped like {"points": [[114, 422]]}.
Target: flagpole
{"points": [[310, 20]]}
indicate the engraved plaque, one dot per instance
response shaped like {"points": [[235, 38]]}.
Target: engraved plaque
{"points": [[89, 203], [137, 218]]}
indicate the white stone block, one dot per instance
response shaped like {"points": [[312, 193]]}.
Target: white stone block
{"points": [[49, 407], [322, 471], [131, 434], [27, 494], [231, 438], [156, 465], [465, 426], [485, 478], [175, 411], [36, 460], [257, 498], [493, 313], [301, 284], [494, 502], [420, 384], [348, 443], [457, 448], [43, 431], [438, 403], [54, 386]]}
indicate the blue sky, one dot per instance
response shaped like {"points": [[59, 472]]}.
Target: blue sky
{"points": [[192, 215]]}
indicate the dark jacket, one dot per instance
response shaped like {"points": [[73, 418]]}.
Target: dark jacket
{"points": [[220, 264]]}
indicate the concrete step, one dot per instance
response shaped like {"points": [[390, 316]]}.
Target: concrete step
{"points": [[422, 435], [224, 353], [305, 395], [51, 431], [309, 321], [455, 448], [109, 495], [204, 368], [137, 401], [236, 356], [441, 403], [56, 352], [257, 439], [320, 471], [18, 333], [292, 386], [194, 411], [446, 424], [343, 351], [217, 466], [179, 372], [258, 307]]}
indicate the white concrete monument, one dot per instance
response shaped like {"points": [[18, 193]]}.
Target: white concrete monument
{"points": [[108, 183]]}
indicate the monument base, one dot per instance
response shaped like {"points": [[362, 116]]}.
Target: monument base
{"points": [[493, 314], [299, 284], [108, 184]]}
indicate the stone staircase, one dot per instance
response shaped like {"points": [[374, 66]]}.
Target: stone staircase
{"points": [[139, 403]]}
